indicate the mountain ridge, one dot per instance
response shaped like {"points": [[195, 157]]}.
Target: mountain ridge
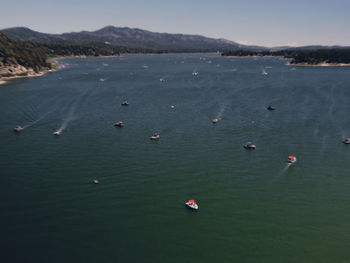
{"points": [[131, 37]]}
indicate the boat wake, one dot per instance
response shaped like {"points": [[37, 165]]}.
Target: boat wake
{"points": [[70, 115], [221, 112], [285, 169], [36, 121]]}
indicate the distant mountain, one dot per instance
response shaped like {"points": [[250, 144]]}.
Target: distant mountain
{"points": [[133, 38]]}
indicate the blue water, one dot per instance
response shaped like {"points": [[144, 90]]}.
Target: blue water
{"points": [[252, 207]]}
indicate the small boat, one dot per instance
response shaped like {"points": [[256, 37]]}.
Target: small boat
{"points": [[155, 136], [95, 181], [119, 124], [161, 80], [195, 73], [56, 133], [264, 72], [192, 204], [271, 108], [292, 159], [172, 107], [249, 145], [125, 103], [215, 120], [18, 128], [346, 140]]}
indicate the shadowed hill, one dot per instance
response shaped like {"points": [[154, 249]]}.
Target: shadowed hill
{"points": [[131, 37]]}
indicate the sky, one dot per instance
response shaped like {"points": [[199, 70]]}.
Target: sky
{"points": [[252, 22]]}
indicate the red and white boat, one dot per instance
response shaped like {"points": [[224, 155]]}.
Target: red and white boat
{"points": [[292, 159], [192, 204], [119, 124]]}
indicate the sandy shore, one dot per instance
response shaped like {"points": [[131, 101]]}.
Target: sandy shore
{"points": [[30, 75]]}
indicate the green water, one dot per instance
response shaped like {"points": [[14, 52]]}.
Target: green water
{"points": [[252, 208]]}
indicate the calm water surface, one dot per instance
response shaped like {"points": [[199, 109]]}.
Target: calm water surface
{"points": [[252, 207]]}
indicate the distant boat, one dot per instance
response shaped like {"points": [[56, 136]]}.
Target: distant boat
{"points": [[101, 79], [346, 140], [161, 80], [292, 159], [125, 103], [215, 120], [155, 136], [56, 133], [195, 73], [264, 72], [271, 108], [172, 107], [18, 128], [95, 181], [192, 204], [119, 124], [249, 145]]}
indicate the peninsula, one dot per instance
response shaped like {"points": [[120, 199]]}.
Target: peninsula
{"points": [[304, 56]]}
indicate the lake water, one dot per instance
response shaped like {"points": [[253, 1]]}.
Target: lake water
{"points": [[252, 206]]}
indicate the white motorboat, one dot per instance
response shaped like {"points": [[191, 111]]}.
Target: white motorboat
{"points": [[215, 120], [56, 133], [192, 204], [264, 72], [155, 136], [195, 73], [346, 140], [18, 128], [249, 145]]}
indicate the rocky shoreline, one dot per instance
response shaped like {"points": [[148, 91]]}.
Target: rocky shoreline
{"points": [[16, 71]]}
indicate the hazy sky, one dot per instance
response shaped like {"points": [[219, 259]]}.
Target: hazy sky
{"points": [[261, 22]]}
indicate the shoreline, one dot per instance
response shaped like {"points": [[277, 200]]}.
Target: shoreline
{"points": [[323, 64], [56, 66], [253, 56]]}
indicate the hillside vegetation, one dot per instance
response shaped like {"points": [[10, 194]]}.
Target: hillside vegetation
{"points": [[24, 53], [301, 56]]}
